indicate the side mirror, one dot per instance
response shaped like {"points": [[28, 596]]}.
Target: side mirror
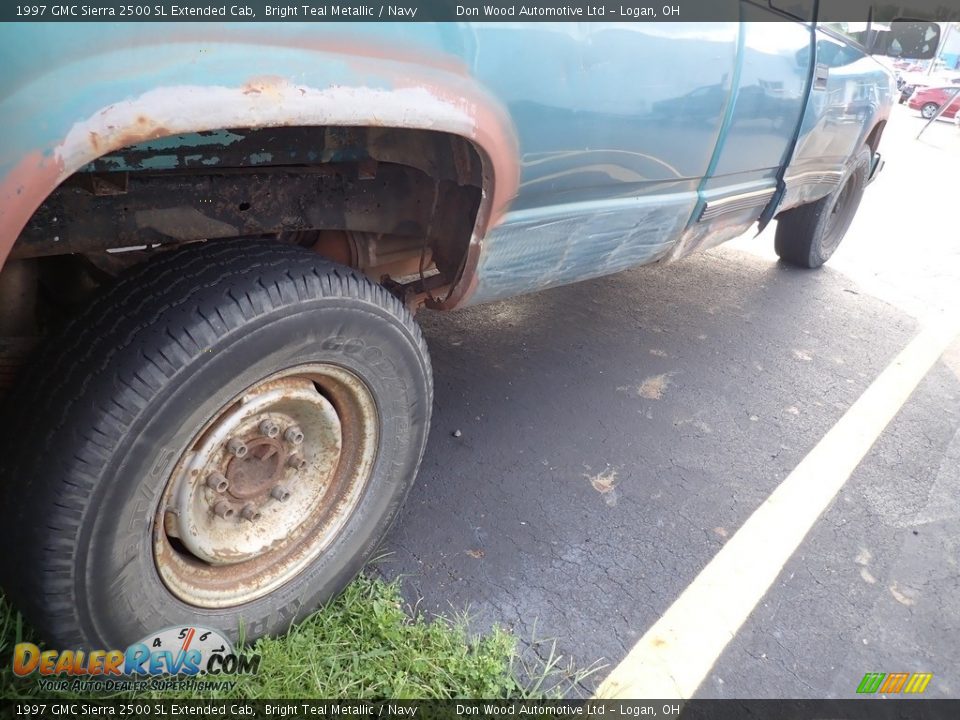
{"points": [[913, 39]]}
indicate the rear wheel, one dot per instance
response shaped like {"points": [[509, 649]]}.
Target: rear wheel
{"points": [[808, 235], [929, 110], [221, 439]]}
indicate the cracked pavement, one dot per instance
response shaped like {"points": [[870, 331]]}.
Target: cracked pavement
{"points": [[615, 433]]}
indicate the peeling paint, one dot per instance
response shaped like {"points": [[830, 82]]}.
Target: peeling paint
{"points": [[159, 162], [268, 102], [193, 108], [534, 250]]}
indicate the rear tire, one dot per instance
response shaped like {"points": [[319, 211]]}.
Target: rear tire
{"points": [[809, 234], [224, 338]]}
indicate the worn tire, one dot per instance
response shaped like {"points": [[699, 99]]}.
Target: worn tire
{"points": [[103, 412], [808, 235]]}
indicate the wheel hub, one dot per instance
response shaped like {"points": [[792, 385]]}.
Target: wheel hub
{"points": [[255, 474], [245, 520]]}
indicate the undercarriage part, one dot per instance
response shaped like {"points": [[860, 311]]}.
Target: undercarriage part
{"points": [[415, 292], [167, 208], [375, 254], [439, 155], [389, 202]]}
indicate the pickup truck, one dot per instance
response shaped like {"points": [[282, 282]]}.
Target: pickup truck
{"points": [[214, 239]]}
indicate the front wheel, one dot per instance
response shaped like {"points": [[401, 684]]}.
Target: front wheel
{"points": [[221, 439], [929, 110], [809, 234]]}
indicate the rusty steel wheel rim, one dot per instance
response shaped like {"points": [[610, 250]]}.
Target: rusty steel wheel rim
{"points": [[266, 486]]}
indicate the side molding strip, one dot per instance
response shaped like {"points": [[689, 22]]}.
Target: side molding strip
{"points": [[736, 203]]}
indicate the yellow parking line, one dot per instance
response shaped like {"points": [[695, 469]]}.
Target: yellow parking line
{"points": [[678, 651]]}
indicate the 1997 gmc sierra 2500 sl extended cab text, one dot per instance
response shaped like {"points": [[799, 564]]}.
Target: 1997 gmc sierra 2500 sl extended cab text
{"points": [[222, 233]]}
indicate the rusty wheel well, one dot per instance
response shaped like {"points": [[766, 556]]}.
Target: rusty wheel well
{"points": [[397, 204]]}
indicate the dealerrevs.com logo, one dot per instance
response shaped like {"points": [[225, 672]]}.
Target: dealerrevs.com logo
{"points": [[176, 651]]}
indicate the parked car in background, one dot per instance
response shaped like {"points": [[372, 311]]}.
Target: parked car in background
{"points": [[909, 83], [929, 100]]}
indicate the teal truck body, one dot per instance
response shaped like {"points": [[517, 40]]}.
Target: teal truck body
{"points": [[609, 145], [218, 235]]}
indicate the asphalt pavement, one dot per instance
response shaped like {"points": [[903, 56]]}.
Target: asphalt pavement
{"points": [[594, 447]]}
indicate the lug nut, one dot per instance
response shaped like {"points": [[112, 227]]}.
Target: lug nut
{"points": [[237, 447], [216, 481], [223, 509], [297, 462], [279, 492], [269, 428], [250, 512], [293, 435]]}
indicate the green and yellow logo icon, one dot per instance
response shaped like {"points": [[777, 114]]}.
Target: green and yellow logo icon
{"points": [[891, 683]]}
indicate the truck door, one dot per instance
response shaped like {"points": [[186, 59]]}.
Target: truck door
{"points": [[772, 76], [850, 92], [617, 123]]}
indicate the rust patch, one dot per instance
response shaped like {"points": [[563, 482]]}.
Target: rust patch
{"points": [[137, 135], [21, 192], [264, 84], [225, 559], [142, 130], [495, 139], [487, 126]]}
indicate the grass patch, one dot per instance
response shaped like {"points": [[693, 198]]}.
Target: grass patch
{"points": [[362, 645]]}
